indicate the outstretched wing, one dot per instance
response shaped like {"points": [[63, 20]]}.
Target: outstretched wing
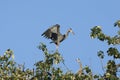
{"points": [[52, 32]]}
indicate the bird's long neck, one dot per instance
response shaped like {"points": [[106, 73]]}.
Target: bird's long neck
{"points": [[67, 33]]}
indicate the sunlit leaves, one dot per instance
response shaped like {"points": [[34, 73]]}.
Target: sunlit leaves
{"points": [[112, 67], [101, 54], [45, 68], [111, 72], [113, 52], [96, 32], [117, 23], [9, 70], [42, 47]]}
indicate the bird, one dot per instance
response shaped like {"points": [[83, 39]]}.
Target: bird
{"points": [[117, 23], [54, 34]]}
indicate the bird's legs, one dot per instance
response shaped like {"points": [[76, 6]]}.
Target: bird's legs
{"points": [[57, 44], [56, 47]]}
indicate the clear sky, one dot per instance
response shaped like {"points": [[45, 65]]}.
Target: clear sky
{"points": [[23, 21]]}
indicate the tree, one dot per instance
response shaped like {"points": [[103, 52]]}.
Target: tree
{"points": [[45, 69], [112, 68]]}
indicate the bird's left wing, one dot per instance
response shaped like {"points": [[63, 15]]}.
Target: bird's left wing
{"points": [[54, 29]]}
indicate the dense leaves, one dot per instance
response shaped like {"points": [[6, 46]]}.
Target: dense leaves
{"points": [[112, 69], [10, 70]]}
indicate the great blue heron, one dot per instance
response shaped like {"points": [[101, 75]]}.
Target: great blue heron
{"points": [[54, 34]]}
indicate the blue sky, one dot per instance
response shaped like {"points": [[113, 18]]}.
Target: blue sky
{"points": [[22, 23]]}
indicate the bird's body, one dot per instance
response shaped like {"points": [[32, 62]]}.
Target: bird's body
{"points": [[54, 34], [60, 38]]}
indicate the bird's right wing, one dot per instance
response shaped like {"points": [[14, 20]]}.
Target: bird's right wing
{"points": [[52, 30]]}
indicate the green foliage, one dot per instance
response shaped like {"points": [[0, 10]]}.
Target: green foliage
{"points": [[96, 32], [46, 70], [9, 70], [114, 53], [117, 23], [101, 54], [112, 68]]}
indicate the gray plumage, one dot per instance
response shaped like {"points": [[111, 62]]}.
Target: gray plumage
{"points": [[54, 34]]}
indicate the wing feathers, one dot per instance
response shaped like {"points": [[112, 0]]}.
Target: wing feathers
{"points": [[50, 31]]}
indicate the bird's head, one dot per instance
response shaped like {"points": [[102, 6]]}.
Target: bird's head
{"points": [[70, 30]]}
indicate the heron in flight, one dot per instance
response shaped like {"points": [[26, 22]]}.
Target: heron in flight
{"points": [[54, 34]]}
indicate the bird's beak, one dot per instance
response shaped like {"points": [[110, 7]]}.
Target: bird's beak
{"points": [[73, 33]]}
